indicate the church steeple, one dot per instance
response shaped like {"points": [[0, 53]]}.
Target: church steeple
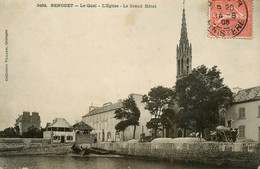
{"points": [[184, 34], [184, 50]]}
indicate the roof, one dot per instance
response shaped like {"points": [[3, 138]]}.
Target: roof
{"points": [[104, 109], [82, 126], [60, 122], [247, 95]]}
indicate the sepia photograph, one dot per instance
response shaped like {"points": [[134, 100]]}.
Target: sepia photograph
{"points": [[130, 84]]}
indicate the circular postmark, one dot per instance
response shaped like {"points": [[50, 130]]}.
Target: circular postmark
{"points": [[228, 18]]}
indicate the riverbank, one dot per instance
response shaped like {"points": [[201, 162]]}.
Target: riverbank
{"points": [[31, 146], [240, 155]]}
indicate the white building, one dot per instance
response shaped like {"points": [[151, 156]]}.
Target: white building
{"points": [[103, 121], [244, 114], [60, 131]]}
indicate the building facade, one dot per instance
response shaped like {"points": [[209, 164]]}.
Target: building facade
{"points": [[244, 114], [103, 121], [59, 131], [26, 121], [83, 131], [184, 51]]}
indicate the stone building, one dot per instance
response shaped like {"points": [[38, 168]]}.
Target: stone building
{"points": [[26, 121], [103, 121], [59, 131], [83, 131], [244, 113], [184, 51]]}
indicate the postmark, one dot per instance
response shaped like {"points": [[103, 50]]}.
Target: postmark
{"points": [[230, 18]]}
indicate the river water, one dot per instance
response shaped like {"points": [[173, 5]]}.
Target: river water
{"points": [[71, 162]]}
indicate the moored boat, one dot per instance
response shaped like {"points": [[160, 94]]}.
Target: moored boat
{"points": [[86, 151]]}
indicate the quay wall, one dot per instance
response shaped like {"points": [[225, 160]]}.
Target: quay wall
{"points": [[23, 146], [239, 155]]}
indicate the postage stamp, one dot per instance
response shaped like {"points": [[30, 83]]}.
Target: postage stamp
{"points": [[230, 18]]}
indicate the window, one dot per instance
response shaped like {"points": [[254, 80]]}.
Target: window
{"points": [[98, 135], [178, 66], [108, 136], [241, 130], [117, 135], [56, 138], [259, 111], [241, 113], [69, 137]]}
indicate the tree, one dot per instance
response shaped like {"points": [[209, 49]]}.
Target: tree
{"points": [[155, 101], [128, 115], [33, 133], [202, 94], [169, 119], [9, 133]]}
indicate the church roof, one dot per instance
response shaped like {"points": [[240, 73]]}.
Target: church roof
{"points": [[60, 122], [82, 126], [104, 109], [249, 94]]}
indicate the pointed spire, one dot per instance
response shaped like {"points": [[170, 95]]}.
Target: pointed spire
{"points": [[184, 36], [184, 50]]}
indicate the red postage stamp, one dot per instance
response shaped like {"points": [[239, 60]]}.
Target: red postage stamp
{"points": [[230, 18]]}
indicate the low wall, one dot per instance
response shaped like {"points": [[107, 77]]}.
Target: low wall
{"points": [[24, 140], [244, 155], [84, 138], [20, 146]]}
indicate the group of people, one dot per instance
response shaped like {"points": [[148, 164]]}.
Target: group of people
{"points": [[223, 135]]}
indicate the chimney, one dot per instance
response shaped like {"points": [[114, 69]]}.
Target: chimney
{"points": [[47, 125], [107, 104], [91, 108], [35, 114]]}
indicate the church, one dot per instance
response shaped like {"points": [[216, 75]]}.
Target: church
{"points": [[184, 51], [244, 114]]}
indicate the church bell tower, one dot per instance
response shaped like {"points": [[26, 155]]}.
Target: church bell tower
{"points": [[184, 50]]}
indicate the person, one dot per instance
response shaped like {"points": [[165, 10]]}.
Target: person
{"points": [[234, 134]]}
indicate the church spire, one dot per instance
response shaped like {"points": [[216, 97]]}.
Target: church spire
{"points": [[184, 51], [184, 34]]}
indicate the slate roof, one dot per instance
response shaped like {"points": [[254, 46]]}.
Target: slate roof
{"points": [[82, 126], [60, 122], [247, 95], [105, 109]]}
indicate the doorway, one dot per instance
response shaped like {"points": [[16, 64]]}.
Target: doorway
{"points": [[258, 133], [62, 139], [103, 135]]}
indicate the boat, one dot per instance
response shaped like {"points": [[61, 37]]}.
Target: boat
{"points": [[80, 150], [86, 151]]}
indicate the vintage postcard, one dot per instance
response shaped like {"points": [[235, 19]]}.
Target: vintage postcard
{"points": [[171, 80]]}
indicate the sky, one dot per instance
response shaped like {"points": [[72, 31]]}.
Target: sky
{"points": [[62, 60]]}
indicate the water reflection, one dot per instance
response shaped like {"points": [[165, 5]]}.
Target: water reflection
{"points": [[70, 162]]}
